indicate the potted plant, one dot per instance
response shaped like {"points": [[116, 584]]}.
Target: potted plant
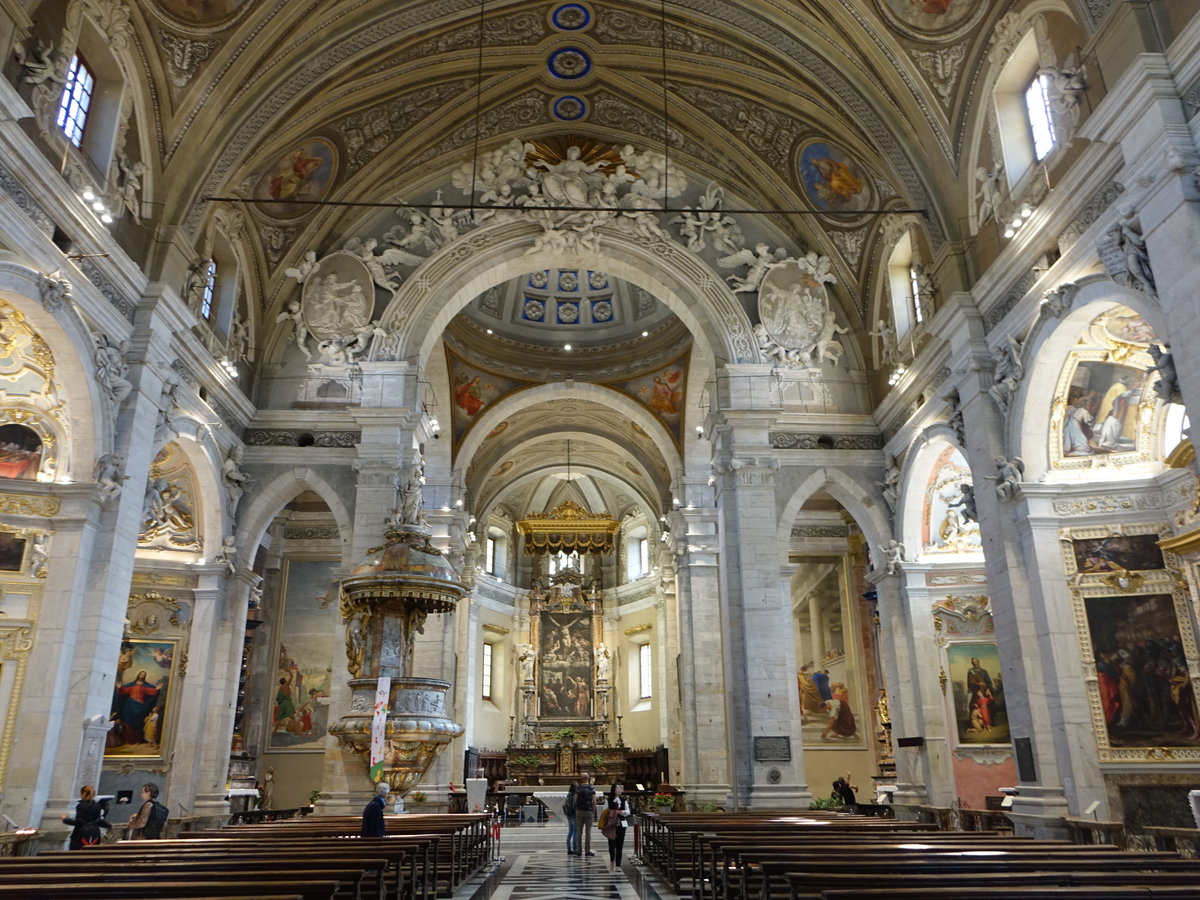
{"points": [[663, 801], [525, 760], [596, 760], [825, 803]]}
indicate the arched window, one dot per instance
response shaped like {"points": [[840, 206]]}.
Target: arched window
{"points": [[637, 553], [487, 670], [1023, 113], [89, 109], [210, 283], [907, 309], [496, 551], [221, 290], [76, 100], [645, 672]]}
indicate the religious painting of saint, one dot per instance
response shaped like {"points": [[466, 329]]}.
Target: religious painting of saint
{"points": [[1124, 325], [662, 391], [832, 178], [565, 666], [310, 635], [1145, 685], [1100, 413], [303, 173], [142, 699], [829, 678], [1112, 554], [12, 551], [338, 297], [20, 452], [472, 389], [201, 12], [977, 693]]}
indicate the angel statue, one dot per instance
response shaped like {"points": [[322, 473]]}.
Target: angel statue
{"points": [[761, 260], [303, 268], [1009, 473], [893, 555], [377, 263]]}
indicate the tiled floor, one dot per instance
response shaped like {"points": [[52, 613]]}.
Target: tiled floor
{"points": [[535, 866]]}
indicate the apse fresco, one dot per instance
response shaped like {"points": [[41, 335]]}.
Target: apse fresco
{"points": [[950, 520], [833, 179], [565, 665], [310, 636], [663, 391], [1146, 692], [977, 691], [302, 173], [1100, 415]]}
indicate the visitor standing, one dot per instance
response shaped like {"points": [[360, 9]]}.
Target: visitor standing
{"points": [[88, 820], [585, 811], [618, 816], [572, 825]]}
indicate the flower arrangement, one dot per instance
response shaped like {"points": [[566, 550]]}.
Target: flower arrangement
{"points": [[663, 800], [418, 797], [566, 734], [527, 759], [596, 760]]}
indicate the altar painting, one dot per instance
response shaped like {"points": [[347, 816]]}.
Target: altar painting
{"points": [[976, 685], [565, 669], [1118, 552], [829, 680], [311, 633], [141, 699], [1143, 693], [12, 551]]}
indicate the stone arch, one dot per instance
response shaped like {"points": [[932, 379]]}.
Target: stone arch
{"points": [[864, 505], [91, 431], [203, 459], [1046, 352], [446, 282], [559, 391], [259, 509]]}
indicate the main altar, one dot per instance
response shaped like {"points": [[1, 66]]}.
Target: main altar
{"points": [[566, 726]]}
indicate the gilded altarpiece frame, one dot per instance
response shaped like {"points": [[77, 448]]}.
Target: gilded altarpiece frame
{"points": [[566, 625], [1138, 648], [831, 679], [20, 605], [972, 679]]}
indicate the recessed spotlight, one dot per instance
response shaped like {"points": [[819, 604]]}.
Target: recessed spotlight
{"points": [[88, 195], [489, 331], [97, 206], [1026, 211], [106, 218], [645, 334], [566, 346], [1009, 231]]}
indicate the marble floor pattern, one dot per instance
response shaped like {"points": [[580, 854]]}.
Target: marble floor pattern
{"points": [[535, 866]]}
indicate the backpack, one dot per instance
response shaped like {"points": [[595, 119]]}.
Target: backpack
{"points": [[155, 821], [569, 806]]}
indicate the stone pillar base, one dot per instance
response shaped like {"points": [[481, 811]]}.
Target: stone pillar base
{"points": [[697, 795], [778, 796], [342, 803], [1038, 812]]}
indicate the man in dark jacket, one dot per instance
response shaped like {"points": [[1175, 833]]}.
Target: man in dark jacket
{"points": [[372, 823], [585, 811]]}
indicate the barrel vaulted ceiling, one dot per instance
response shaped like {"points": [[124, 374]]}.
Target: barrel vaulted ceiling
{"points": [[403, 92]]}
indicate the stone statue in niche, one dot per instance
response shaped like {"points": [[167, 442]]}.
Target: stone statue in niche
{"points": [[1126, 259], [988, 192], [236, 481], [603, 663], [1009, 473], [1066, 86], [891, 483], [888, 354]]}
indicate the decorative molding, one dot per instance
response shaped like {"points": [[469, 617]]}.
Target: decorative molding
{"points": [[16, 642], [985, 754], [256, 437], [781, 440], [151, 612], [1095, 206], [942, 66], [162, 580], [1011, 298], [123, 304], [25, 202], [312, 533], [637, 629], [29, 505], [496, 629], [1098, 9], [820, 531], [184, 56]]}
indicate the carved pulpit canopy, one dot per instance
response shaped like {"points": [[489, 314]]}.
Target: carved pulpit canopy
{"points": [[568, 529]]}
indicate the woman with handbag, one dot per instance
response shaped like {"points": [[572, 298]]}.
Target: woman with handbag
{"points": [[615, 823]]}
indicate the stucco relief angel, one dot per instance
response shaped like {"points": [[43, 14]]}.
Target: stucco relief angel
{"points": [[304, 268], [761, 260], [378, 262]]}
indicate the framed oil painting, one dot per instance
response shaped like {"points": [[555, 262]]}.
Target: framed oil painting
{"points": [[830, 679], [975, 689], [12, 551], [1117, 552], [1142, 651], [565, 669], [142, 700], [311, 633]]}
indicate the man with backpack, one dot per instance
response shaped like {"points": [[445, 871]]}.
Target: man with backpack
{"points": [[585, 811], [148, 823]]}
